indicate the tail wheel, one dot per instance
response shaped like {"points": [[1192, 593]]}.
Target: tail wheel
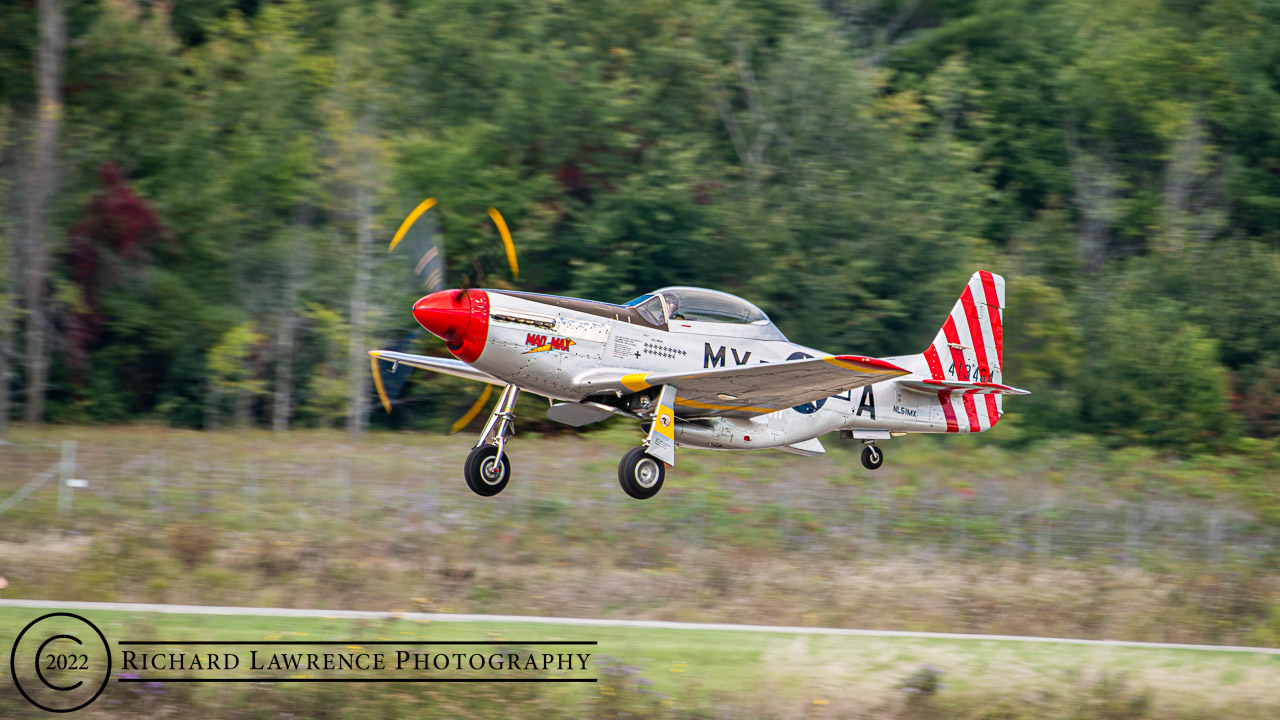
{"points": [[641, 474], [484, 473], [872, 457]]}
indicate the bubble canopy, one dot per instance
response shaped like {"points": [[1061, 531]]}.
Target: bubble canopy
{"points": [[700, 305]]}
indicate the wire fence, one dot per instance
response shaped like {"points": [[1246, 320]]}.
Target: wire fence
{"points": [[76, 485]]}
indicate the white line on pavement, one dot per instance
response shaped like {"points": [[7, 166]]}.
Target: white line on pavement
{"points": [[593, 622]]}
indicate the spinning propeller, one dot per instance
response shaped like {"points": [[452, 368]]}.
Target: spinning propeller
{"points": [[419, 240]]}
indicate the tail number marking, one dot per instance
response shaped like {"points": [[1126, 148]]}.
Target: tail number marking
{"points": [[971, 371]]}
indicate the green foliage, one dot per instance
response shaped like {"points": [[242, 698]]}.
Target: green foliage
{"points": [[232, 372], [846, 165], [1154, 379], [1043, 353], [325, 396]]}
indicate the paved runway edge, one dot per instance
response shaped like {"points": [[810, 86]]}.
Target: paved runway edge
{"points": [[594, 622]]}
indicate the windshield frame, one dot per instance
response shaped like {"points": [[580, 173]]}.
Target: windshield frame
{"points": [[701, 306]]}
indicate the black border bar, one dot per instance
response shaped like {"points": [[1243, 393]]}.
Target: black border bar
{"points": [[357, 642]]}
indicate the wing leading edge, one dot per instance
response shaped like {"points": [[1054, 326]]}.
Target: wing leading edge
{"points": [[448, 366]]}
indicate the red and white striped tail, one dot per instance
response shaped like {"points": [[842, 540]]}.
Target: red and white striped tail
{"points": [[970, 348]]}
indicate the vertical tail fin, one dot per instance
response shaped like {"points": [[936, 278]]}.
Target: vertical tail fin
{"points": [[970, 348]]}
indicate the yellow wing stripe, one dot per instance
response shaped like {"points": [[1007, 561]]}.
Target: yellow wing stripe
{"points": [[506, 240], [635, 382], [709, 406], [424, 206], [473, 411]]}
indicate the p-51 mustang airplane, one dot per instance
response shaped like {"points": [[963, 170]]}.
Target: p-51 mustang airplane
{"points": [[705, 369], [701, 368]]}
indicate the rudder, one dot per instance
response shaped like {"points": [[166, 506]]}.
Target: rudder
{"points": [[969, 347]]}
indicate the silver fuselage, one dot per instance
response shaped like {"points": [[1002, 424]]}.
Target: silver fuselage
{"points": [[552, 350]]}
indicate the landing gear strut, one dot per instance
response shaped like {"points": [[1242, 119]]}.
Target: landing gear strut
{"points": [[643, 469], [872, 457], [488, 468]]}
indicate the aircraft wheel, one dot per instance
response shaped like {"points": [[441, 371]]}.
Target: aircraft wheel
{"points": [[872, 457], [641, 474], [485, 477]]}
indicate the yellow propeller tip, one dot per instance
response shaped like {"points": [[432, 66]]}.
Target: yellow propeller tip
{"points": [[423, 206], [506, 240], [377, 384], [471, 413]]}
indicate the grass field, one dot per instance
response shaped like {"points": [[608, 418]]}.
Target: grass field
{"points": [[952, 535], [680, 673], [1061, 539]]}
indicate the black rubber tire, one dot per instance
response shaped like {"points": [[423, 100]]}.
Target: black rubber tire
{"points": [[474, 473], [872, 457], [635, 469]]}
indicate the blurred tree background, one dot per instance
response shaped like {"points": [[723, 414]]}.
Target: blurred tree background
{"points": [[195, 195]]}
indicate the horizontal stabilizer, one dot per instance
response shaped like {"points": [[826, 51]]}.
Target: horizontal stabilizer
{"points": [[933, 387]]}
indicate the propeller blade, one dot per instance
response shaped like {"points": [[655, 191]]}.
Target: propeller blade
{"points": [[377, 383], [424, 206], [473, 411], [425, 243], [431, 264], [506, 240]]}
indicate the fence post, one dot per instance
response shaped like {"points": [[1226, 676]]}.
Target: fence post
{"points": [[250, 488], [702, 515], [157, 485], [344, 487], [871, 521], [1044, 536], [1132, 530], [784, 531], [66, 471], [959, 536], [1214, 536]]}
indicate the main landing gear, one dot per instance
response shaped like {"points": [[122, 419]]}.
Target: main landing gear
{"points": [[488, 468], [641, 474], [643, 469], [872, 456]]}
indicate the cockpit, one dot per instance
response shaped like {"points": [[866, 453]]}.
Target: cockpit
{"points": [[689, 308]]}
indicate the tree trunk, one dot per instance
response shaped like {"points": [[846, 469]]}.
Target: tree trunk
{"points": [[39, 190], [358, 364], [282, 406], [1097, 196], [9, 273], [244, 408], [6, 325], [283, 402]]}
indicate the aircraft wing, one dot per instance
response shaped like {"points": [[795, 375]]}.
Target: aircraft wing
{"points": [[448, 366], [762, 388]]}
